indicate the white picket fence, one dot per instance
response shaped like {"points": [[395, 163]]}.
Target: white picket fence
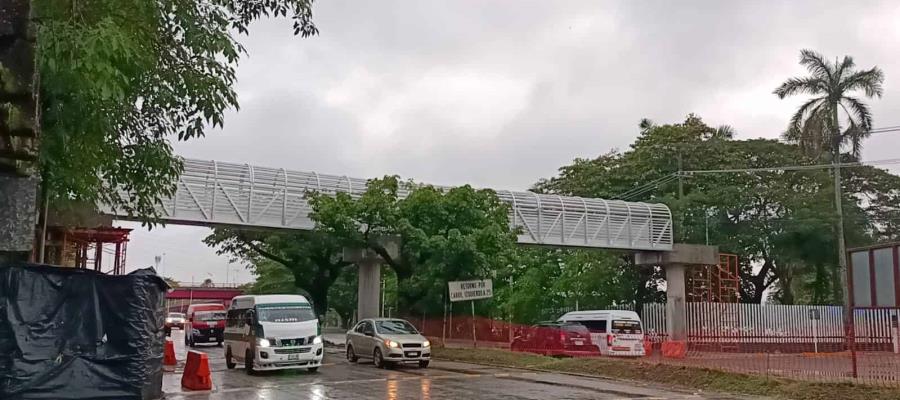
{"points": [[760, 323]]}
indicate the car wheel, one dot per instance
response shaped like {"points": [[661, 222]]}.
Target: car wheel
{"points": [[229, 362], [351, 355], [378, 359], [423, 364], [248, 363], [312, 369]]}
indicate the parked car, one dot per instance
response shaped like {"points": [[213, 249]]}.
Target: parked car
{"points": [[388, 341], [174, 320], [205, 323], [614, 332], [554, 338]]}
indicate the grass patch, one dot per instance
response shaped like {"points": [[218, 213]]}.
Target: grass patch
{"points": [[693, 378]]}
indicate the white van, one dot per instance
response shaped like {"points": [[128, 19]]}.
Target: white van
{"points": [[615, 332], [269, 332]]}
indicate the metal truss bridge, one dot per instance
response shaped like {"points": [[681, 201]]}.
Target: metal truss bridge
{"points": [[212, 193]]}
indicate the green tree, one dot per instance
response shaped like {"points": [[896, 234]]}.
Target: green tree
{"points": [[120, 79], [443, 234], [271, 278], [774, 220], [816, 125], [548, 282], [313, 259]]}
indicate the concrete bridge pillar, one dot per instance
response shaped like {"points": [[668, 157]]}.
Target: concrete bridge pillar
{"points": [[368, 290], [675, 263]]}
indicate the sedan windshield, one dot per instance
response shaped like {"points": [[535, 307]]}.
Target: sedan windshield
{"points": [[176, 315], [284, 313], [396, 327]]}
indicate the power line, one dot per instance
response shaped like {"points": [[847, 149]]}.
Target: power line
{"points": [[795, 167], [635, 192]]}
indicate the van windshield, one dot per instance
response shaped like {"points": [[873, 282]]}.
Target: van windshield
{"points": [[620, 326], [284, 313], [210, 315]]}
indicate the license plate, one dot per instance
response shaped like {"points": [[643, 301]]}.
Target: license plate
{"points": [[293, 357], [412, 354], [579, 342]]}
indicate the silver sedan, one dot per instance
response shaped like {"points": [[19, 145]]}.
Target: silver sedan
{"points": [[387, 341]]}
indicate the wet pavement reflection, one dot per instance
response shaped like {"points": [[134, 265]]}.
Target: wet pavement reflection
{"points": [[339, 379]]}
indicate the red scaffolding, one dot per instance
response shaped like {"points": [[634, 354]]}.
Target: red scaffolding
{"points": [[716, 283], [88, 247]]}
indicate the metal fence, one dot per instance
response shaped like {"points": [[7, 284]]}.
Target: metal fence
{"points": [[794, 341]]}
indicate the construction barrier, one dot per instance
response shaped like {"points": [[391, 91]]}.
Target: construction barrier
{"points": [[674, 349], [196, 374], [169, 353]]}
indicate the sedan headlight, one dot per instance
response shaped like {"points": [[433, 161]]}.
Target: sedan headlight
{"points": [[392, 344], [263, 342], [426, 344], [169, 320], [317, 340]]}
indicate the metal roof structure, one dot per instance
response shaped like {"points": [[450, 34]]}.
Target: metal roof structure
{"points": [[220, 193]]}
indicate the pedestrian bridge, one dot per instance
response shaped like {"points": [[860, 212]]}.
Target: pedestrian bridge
{"points": [[213, 193]]}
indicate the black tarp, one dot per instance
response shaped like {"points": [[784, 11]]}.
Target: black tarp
{"points": [[69, 333]]}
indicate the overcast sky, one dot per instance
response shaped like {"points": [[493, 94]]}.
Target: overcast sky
{"points": [[502, 93]]}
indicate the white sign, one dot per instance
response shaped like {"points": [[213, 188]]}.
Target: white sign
{"points": [[471, 290]]}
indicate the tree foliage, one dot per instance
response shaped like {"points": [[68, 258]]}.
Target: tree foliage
{"points": [[778, 222], [816, 125], [443, 234], [121, 78], [313, 260]]}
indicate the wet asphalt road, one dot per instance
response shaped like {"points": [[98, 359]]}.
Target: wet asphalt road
{"points": [[339, 379]]}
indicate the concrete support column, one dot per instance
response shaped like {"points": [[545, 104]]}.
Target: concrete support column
{"points": [[368, 291], [675, 263], [676, 316]]}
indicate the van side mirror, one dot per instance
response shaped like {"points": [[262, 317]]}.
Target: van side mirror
{"points": [[249, 319]]}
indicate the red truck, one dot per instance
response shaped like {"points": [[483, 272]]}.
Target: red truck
{"points": [[205, 323]]}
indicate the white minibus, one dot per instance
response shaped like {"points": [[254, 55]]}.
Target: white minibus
{"points": [[268, 332], [615, 332]]}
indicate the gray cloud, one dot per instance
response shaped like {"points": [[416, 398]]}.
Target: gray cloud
{"points": [[502, 93]]}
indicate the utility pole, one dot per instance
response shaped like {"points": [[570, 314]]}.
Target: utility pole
{"points": [[839, 212], [680, 176]]}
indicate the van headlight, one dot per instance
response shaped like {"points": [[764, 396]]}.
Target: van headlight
{"points": [[426, 344], [317, 340], [263, 342]]}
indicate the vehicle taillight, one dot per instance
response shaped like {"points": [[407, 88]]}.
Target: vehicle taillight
{"points": [[610, 339], [562, 336]]}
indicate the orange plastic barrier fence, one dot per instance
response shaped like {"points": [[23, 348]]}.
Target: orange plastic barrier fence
{"points": [[674, 349], [169, 353], [196, 374]]}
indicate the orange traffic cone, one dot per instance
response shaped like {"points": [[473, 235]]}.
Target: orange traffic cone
{"points": [[196, 374], [169, 353]]}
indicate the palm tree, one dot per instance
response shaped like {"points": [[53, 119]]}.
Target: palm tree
{"points": [[816, 125]]}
